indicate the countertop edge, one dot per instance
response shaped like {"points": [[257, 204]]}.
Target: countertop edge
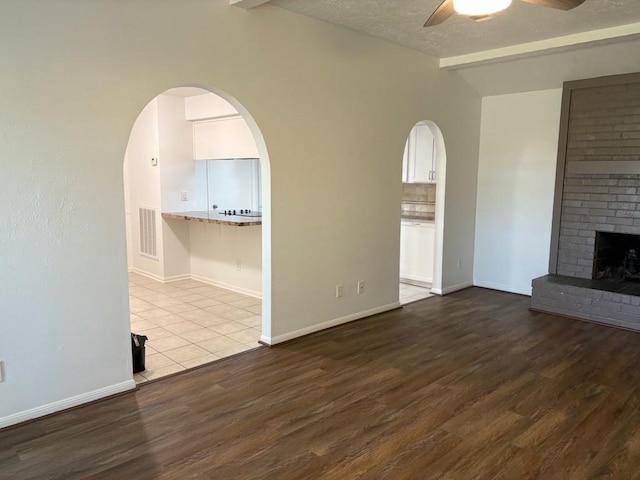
{"points": [[234, 223], [418, 218]]}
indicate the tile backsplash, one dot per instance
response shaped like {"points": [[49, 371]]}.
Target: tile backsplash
{"points": [[419, 199]]}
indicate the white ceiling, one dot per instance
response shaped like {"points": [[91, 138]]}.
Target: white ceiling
{"points": [[401, 21]]}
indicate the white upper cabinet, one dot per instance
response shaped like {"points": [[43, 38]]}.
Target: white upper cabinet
{"points": [[223, 138], [419, 160], [219, 132], [207, 106]]}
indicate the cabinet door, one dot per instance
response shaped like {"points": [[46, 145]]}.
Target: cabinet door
{"points": [[223, 139], [417, 242], [423, 154], [419, 161]]}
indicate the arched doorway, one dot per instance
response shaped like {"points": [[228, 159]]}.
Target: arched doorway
{"points": [[197, 196], [422, 212]]}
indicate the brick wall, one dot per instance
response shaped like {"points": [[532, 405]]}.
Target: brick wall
{"points": [[604, 123], [590, 203]]}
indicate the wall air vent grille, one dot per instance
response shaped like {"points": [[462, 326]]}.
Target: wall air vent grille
{"points": [[148, 243]]}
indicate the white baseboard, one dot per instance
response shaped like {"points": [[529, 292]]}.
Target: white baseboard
{"points": [[420, 281], [66, 403], [176, 278], [152, 276], [328, 324], [227, 286], [208, 281], [417, 283], [504, 288], [452, 288]]}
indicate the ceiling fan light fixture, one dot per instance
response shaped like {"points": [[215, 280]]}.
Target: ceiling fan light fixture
{"points": [[480, 7]]}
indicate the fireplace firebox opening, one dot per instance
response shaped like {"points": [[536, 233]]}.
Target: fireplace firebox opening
{"points": [[616, 257]]}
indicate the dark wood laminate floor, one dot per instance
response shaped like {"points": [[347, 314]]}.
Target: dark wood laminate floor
{"points": [[469, 386]]}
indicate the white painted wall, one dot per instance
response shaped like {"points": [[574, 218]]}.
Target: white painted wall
{"points": [[127, 212], [332, 110], [143, 182], [227, 256], [516, 179], [176, 166], [457, 171]]}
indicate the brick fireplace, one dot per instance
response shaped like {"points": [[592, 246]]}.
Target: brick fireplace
{"points": [[594, 265], [590, 204]]}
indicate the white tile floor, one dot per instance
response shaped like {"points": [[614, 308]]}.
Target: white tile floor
{"points": [[190, 323], [411, 293]]}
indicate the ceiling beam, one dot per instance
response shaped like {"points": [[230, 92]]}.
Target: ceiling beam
{"points": [[247, 4], [542, 47]]}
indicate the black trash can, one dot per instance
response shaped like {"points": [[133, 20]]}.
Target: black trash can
{"points": [[137, 351]]}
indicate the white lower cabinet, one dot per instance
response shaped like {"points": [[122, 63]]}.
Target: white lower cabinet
{"points": [[417, 245]]}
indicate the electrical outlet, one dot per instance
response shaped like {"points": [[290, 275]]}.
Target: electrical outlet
{"points": [[184, 196], [459, 264], [361, 287], [1, 371], [238, 265], [339, 290]]}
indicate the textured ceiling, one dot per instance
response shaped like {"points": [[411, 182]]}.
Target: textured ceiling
{"points": [[400, 21]]}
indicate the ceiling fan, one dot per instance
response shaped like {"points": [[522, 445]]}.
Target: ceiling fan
{"points": [[481, 9]]}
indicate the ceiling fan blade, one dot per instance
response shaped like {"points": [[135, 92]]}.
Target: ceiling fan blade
{"points": [[444, 11], [559, 4]]}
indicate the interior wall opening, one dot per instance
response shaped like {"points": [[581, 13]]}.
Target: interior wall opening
{"points": [[197, 190], [422, 208]]}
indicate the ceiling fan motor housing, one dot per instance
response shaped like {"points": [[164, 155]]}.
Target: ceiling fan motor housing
{"points": [[478, 9]]}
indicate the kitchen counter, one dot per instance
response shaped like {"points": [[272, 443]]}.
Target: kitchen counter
{"points": [[424, 217], [214, 217]]}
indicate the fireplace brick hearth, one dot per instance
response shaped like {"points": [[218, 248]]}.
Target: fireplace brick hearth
{"points": [[587, 300]]}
